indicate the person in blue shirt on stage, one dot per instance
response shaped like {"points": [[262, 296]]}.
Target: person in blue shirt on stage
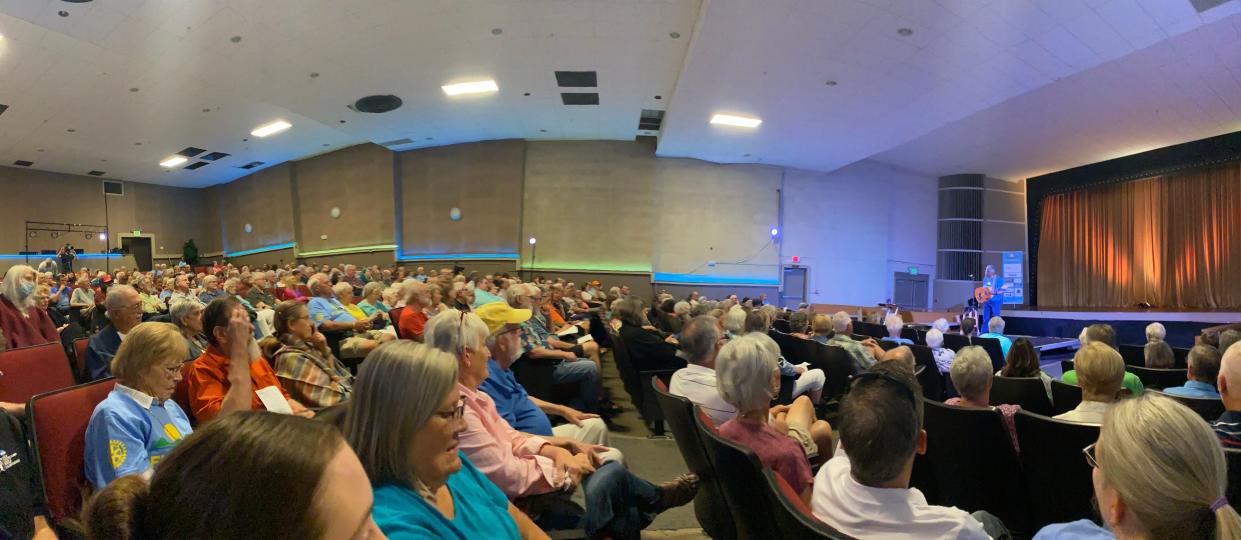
{"points": [[138, 424], [995, 329], [994, 284], [1204, 361]]}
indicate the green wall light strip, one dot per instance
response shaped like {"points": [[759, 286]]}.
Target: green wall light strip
{"points": [[345, 251], [611, 269]]}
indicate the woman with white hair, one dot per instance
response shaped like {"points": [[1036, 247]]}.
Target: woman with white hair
{"points": [[734, 322], [187, 316], [971, 375], [895, 324], [23, 323], [1155, 332], [941, 324], [372, 301], [1158, 472], [211, 289], [784, 437], [943, 355]]}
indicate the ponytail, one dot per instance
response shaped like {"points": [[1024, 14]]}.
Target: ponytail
{"points": [[115, 513], [1227, 522]]}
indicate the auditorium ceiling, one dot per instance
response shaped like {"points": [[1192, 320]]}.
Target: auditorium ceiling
{"points": [[1010, 88]]}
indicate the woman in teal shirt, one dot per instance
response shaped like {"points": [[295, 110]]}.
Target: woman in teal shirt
{"points": [[403, 421], [372, 299]]}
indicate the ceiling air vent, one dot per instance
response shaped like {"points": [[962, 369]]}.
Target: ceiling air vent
{"points": [[197, 165], [377, 104], [113, 188], [96, 173], [23, 163], [397, 142], [190, 151], [3, 108], [1203, 5], [252, 165], [650, 119], [577, 79], [214, 156], [579, 98]]}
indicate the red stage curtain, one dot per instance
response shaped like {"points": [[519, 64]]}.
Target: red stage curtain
{"points": [[1173, 241]]}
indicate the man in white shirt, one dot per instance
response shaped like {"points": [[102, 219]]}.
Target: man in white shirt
{"points": [[864, 491], [700, 342], [1100, 372]]}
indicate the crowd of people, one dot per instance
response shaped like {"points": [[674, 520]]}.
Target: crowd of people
{"points": [[381, 402]]}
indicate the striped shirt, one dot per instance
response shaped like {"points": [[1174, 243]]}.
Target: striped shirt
{"points": [[312, 379], [1228, 429]]}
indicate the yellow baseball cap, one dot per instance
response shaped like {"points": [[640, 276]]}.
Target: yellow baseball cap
{"points": [[497, 314]]}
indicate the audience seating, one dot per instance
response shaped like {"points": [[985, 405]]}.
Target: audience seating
{"points": [[1181, 356], [635, 385], [1064, 396], [793, 518], [973, 462], [79, 359], [930, 378], [740, 474], [1234, 476], [956, 342], [710, 506], [782, 325], [992, 346], [395, 315], [33, 370], [913, 335], [535, 375], [870, 329], [1028, 392], [1056, 473], [1134, 355], [58, 422], [1209, 409], [1159, 378], [1066, 366]]}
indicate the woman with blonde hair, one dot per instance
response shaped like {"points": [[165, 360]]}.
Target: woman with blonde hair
{"points": [[23, 324], [1159, 472]]}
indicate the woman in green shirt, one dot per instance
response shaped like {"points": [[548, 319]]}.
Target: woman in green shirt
{"points": [[371, 299]]}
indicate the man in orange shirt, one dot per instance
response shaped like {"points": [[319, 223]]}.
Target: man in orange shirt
{"points": [[231, 375]]}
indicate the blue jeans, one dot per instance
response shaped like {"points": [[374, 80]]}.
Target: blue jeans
{"points": [[586, 375], [618, 503], [990, 309]]}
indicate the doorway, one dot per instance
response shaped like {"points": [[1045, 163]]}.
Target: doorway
{"points": [[909, 290], [140, 248], [794, 291]]}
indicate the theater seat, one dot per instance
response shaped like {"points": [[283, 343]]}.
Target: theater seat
{"points": [[394, 315], [931, 380], [793, 517], [33, 370], [1133, 355], [58, 422], [635, 383], [1159, 378], [741, 478], [1233, 456], [79, 358], [1064, 397], [1028, 392], [1056, 473], [1209, 409], [992, 346], [710, 506]]}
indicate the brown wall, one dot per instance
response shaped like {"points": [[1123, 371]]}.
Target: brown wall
{"points": [[359, 181], [484, 180], [265, 201], [212, 227]]}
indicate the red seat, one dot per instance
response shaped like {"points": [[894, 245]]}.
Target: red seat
{"points": [[33, 370], [58, 422], [79, 358], [793, 517], [394, 315]]}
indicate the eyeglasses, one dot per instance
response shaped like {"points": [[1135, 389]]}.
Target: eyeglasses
{"points": [[1090, 457], [456, 414]]}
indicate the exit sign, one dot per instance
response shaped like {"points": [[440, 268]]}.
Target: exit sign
{"points": [[796, 259], [913, 270]]}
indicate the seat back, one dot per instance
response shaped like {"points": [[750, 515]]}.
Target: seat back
{"points": [[79, 358], [793, 517], [1028, 392], [1066, 366], [956, 342], [972, 460], [870, 329], [930, 378], [1064, 397], [992, 346], [782, 325], [836, 366], [1181, 356], [1159, 378], [33, 370], [1056, 473], [58, 421], [1209, 409], [710, 506], [1233, 456], [394, 315], [740, 473], [788, 346], [1134, 355]]}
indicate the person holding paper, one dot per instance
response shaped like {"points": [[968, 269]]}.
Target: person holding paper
{"points": [[231, 374]]}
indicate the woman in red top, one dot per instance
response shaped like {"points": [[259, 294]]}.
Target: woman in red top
{"points": [[23, 324]]}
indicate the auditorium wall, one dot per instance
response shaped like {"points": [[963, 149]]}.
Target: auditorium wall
{"points": [[263, 200], [359, 181]]}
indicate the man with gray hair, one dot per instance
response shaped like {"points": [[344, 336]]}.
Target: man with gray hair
{"points": [[864, 353], [1228, 337], [995, 329], [701, 340], [329, 315], [124, 312]]}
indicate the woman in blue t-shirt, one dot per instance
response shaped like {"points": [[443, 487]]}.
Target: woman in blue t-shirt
{"points": [[403, 421]]}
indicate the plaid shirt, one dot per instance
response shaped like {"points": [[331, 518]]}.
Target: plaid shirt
{"points": [[312, 379]]}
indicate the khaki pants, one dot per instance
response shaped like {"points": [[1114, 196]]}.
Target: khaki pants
{"points": [[593, 431]]}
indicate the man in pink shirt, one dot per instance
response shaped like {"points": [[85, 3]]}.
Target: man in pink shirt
{"points": [[536, 471]]}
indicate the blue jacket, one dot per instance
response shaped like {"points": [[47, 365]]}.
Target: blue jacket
{"points": [[99, 352]]}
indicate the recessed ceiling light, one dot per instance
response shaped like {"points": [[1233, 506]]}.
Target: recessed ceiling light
{"points": [[173, 161], [63, 13], [272, 128], [905, 31], [739, 121], [831, 83], [474, 87], [71, 130], [135, 89], [314, 75], [674, 35], [235, 39], [497, 31], [206, 109]]}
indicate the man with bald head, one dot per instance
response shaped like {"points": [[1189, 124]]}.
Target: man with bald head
{"points": [[1228, 427]]}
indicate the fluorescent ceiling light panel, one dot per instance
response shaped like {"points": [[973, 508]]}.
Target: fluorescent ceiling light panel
{"points": [[739, 121], [271, 129], [475, 87], [173, 161]]}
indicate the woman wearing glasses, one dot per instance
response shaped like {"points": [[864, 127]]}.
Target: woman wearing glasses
{"points": [[138, 424], [304, 363], [1159, 472], [404, 422]]}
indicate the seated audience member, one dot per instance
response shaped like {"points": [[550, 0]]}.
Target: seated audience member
{"points": [[252, 476], [166, 286], [231, 375], [487, 292], [1155, 332], [701, 339], [83, 298], [351, 276], [942, 325], [256, 291], [971, 376], [290, 289], [372, 302], [967, 326], [261, 318], [1103, 333], [329, 315], [304, 363], [647, 348], [1100, 371], [151, 304], [943, 355], [124, 311], [864, 491], [1203, 372], [537, 343], [784, 438], [894, 325], [821, 328], [1157, 474], [187, 315], [211, 290], [863, 353], [181, 290], [1227, 338], [23, 513], [461, 297], [799, 323], [23, 323], [344, 293], [1158, 355], [995, 329], [522, 411], [1228, 427], [138, 424], [808, 382], [1023, 361], [404, 423], [618, 504], [414, 317], [901, 354], [61, 292]]}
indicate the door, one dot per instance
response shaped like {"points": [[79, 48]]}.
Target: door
{"points": [[140, 248], [909, 290], [794, 287]]}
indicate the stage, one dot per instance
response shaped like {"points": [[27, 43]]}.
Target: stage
{"points": [[1130, 324]]}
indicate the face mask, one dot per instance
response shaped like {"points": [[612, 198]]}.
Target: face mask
{"points": [[25, 288]]}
